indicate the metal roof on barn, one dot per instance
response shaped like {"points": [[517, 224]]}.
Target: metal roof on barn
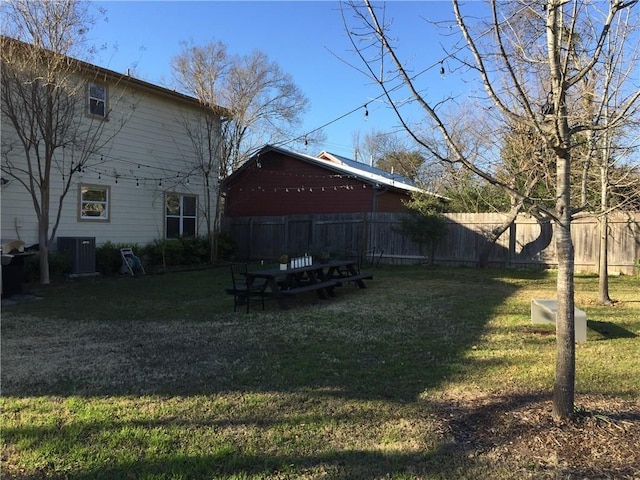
{"points": [[369, 171]]}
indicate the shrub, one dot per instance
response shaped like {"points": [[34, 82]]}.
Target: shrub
{"points": [[59, 264], [180, 251], [163, 252], [108, 259], [226, 245], [159, 253], [195, 250]]}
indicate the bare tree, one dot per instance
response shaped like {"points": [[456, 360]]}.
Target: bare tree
{"points": [[44, 101], [606, 152], [205, 138], [375, 145], [389, 153], [265, 105], [261, 102], [509, 69]]}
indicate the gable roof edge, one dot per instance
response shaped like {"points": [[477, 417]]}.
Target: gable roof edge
{"points": [[89, 68]]}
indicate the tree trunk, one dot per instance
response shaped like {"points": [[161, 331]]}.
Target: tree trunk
{"points": [[603, 263], [564, 386], [209, 222], [43, 240]]}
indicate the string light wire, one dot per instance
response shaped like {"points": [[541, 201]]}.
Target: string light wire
{"points": [[178, 174]]}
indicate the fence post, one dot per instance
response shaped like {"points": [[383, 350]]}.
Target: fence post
{"points": [[365, 241], [512, 242], [285, 236], [250, 252]]}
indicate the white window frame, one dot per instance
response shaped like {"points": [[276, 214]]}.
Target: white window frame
{"points": [[106, 203], [91, 98], [181, 215]]}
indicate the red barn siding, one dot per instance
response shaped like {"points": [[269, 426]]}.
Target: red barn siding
{"points": [[276, 184], [392, 202]]}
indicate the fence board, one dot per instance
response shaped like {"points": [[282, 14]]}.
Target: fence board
{"points": [[526, 244]]}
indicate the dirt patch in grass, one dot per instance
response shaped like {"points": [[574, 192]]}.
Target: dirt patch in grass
{"points": [[52, 357], [519, 432]]}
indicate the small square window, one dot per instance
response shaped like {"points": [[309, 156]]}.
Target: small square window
{"points": [[94, 203], [97, 99]]}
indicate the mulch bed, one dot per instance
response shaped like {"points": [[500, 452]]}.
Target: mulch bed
{"points": [[601, 442]]}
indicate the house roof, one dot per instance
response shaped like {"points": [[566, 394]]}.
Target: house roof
{"points": [[120, 77], [344, 166]]}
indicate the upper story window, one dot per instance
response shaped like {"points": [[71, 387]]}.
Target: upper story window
{"points": [[180, 215], [94, 203], [97, 99]]}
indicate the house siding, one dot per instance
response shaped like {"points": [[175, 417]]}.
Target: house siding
{"points": [[152, 146]]}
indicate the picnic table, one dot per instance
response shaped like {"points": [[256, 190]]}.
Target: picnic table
{"points": [[319, 277]]}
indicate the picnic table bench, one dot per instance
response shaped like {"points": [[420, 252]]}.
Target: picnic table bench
{"points": [[345, 272], [319, 277], [358, 278], [310, 287]]}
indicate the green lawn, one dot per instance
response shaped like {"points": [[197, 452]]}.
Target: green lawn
{"points": [[428, 373]]}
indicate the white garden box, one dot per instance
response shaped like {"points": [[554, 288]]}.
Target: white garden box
{"points": [[545, 310]]}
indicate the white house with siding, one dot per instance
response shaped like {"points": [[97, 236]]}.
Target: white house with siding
{"points": [[143, 184]]}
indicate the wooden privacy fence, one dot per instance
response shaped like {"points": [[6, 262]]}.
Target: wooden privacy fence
{"points": [[525, 244]]}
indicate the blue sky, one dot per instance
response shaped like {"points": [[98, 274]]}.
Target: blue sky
{"points": [[306, 38]]}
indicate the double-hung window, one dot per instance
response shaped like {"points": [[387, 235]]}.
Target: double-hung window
{"points": [[180, 215], [94, 203], [97, 99]]}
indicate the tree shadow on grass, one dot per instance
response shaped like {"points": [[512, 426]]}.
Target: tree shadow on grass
{"points": [[379, 343], [344, 465], [510, 435], [226, 459], [610, 330]]}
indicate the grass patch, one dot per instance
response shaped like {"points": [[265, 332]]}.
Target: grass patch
{"points": [[428, 373]]}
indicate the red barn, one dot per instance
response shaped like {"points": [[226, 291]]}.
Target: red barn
{"points": [[276, 181]]}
